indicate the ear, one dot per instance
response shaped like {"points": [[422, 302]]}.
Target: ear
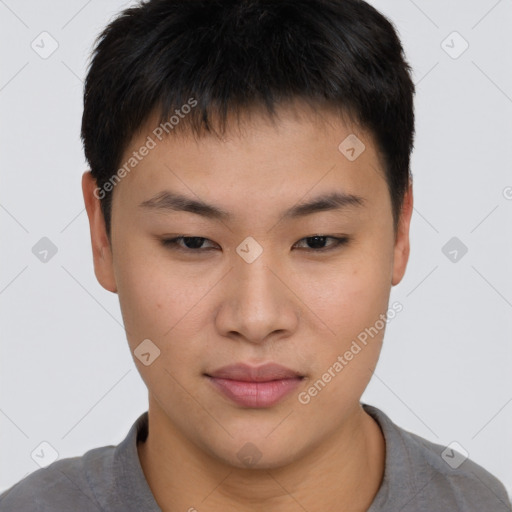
{"points": [[101, 249], [402, 246]]}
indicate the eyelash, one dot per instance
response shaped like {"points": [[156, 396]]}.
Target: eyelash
{"points": [[172, 243]]}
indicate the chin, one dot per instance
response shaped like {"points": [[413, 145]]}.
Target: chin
{"points": [[259, 453]]}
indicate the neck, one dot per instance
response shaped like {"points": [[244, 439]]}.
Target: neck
{"points": [[350, 465]]}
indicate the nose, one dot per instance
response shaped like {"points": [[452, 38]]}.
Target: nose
{"points": [[257, 302]]}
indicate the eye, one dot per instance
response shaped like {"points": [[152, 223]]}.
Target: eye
{"points": [[192, 243], [316, 243]]}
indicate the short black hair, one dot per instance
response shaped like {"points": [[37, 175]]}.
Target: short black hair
{"points": [[223, 57]]}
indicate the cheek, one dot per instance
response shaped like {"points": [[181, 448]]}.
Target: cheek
{"points": [[153, 310], [161, 302], [351, 305], [344, 361], [149, 308], [357, 296]]}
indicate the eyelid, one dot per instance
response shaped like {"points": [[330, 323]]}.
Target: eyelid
{"points": [[338, 242], [172, 243]]}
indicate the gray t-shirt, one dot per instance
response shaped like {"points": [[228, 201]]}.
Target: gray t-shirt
{"points": [[416, 479]]}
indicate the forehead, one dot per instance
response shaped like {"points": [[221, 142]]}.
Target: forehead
{"points": [[300, 151]]}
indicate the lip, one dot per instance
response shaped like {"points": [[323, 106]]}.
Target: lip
{"points": [[255, 387]]}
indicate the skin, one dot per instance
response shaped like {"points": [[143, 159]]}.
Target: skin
{"points": [[292, 305]]}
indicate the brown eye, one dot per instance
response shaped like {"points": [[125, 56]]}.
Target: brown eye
{"points": [[190, 243], [314, 243], [317, 243]]}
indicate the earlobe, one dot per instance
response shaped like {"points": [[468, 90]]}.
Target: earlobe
{"points": [[101, 249], [402, 243]]}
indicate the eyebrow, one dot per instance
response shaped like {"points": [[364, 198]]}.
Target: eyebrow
{"points": [[167, 201]]}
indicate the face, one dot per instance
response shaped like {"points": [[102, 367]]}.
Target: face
{"points": [[266, 281]]}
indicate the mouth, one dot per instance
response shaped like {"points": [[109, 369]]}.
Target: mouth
{"points": [[255, 387]]}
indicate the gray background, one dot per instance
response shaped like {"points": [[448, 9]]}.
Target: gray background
{"points": [[67, 378]]}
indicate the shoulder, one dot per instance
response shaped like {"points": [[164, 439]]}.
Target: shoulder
{"points": [[423, 475], [66, 484], [456, 478]]}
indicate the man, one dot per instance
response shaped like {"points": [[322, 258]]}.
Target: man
{"points": [[249, 201]]}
